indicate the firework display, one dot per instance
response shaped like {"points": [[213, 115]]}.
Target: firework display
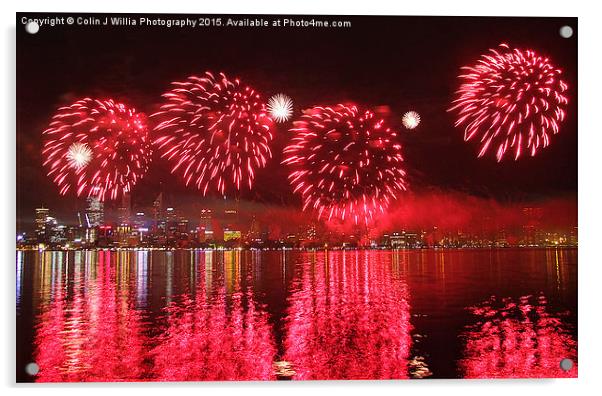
{"points": [[280, 107], [345, 163], [215, 131], [410, 120], [79, 155], [296, 197], [511, 100], [96, 148]]}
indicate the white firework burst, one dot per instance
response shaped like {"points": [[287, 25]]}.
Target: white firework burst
{"points": [[411, 119], [280, 107], [79, 155]]}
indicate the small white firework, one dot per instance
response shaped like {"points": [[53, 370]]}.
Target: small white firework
{"points": [[411, 119], [79, 155], [280, 107]]}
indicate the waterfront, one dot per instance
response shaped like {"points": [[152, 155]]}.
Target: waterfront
{"points": [[261, 315]]}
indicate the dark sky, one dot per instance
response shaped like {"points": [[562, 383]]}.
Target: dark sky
{"points": [[403, 62]]}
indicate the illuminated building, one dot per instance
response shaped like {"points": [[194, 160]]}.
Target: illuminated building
{"points": [[231, 235], [123, 232], [183, 225], [159, 220], [105, 235], [94, 212], [171, 221], [170, 215], [404, 240], [254, 233], [41, 216], [231, 229], [573, 236], [48, 229], [205, 228], [230, 212], [124, 210], [55, 232], [140, 220], [531, 227], [74, 235], [91, 235]]}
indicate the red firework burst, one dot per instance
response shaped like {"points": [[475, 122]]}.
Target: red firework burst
{"points": [[511, 100], [345, 163], [214, 131], [96, 148]]}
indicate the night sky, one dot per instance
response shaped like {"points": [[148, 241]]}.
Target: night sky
{"points": [[406, 63]]}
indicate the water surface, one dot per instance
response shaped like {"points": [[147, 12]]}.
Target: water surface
{"points": [[265, 315]]}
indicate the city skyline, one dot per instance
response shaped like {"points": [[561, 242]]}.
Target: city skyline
{"points": [[227, 224]]}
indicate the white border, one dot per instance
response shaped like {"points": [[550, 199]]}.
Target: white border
{"points": [[590, 92]]}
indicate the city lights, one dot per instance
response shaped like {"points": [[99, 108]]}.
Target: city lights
{"points": [[161, 227]]}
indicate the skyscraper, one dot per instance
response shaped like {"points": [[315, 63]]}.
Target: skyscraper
{"points": [[231, 212], [42, 215], [159, 221], [254, 233], [231, 226], [94, 212], [205, 228], [532, 225], [125, 210]]}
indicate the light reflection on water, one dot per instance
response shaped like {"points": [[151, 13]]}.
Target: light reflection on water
{"points": [[516, 339], [194, 315], [349, 318]]}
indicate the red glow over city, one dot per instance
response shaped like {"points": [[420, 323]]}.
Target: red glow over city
{"points": [[511, 100]]}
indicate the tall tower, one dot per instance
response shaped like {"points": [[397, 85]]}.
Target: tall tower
{"points": [[95, 213], [231, 226], [205, 228], [231, 213], [254, 233], [532, 225], [159, 221], [125, 210], [42, 215]]}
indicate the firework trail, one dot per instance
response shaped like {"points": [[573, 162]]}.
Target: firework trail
{"points": [[511, 100], [214, 131], [280, 107], [96, 148], [345, 163]]}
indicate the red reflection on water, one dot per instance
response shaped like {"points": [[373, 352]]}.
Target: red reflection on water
{"points": [[517, 340], [348, 318], [94, 335], [214, 340], [90, 330]]}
